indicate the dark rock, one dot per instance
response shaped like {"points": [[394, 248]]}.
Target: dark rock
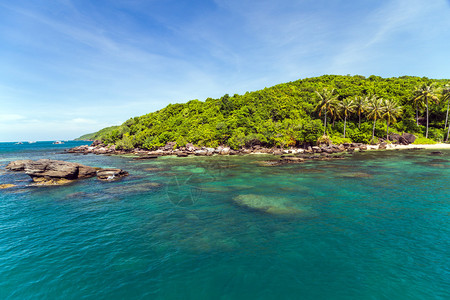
{"points": [[382, 145], [146, 157], [52, 169], [394, 137], [97, 143], [86, 171], [436, 153], [407, 138], [18, 165], [56, 172], [111, 174]]}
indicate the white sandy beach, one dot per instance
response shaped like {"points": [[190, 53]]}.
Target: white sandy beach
{"points": [[411, 146]]}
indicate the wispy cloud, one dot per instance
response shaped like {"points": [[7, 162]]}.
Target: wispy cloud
{"points": [[398, 25]]}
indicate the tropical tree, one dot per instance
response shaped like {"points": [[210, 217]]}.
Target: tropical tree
{"points": [[448, 133], [446, 96], [391, 111], [424, 94], [327, 101], [418, 105], [335, 111], [346, 106], [360, 106], [375, 109]]}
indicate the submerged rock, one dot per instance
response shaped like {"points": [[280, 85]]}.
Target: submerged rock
{"points": [[146, 157], [43, 181], [133, 188], [436, 153], [267, 204], [6, 186], [356, 175]]}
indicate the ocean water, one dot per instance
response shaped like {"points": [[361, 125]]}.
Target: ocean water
{"points": [[375, 225]]}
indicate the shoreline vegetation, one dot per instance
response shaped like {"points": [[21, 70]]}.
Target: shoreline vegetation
{"points": [[330, 109]]}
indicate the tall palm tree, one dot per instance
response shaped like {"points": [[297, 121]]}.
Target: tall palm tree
{"points": [[446, 96], [391, 111], [424, 94], [360, 107], [375, 108], [335, 111], [327, 100], [418, 104], [347, 106]]}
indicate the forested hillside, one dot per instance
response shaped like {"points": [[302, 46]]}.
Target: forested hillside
{"points": [[97, 135], [293, 113]]}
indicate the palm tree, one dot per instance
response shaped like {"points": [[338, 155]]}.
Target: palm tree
{"points": [[347, 106], [360, 107], [327, 102], [448, 133], [335, 111], [424, 94], [375, 108], [418, 104], [446, 96], [391, 111]]}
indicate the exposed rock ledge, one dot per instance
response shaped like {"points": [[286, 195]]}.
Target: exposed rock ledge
{"points": [[56, 172]]}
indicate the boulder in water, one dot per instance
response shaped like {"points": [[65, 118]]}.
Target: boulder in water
{"points": [[57, 172], [111, 174], [18, 165]]}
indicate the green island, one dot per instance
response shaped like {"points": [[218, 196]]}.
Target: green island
{"points": [[342, 109]]}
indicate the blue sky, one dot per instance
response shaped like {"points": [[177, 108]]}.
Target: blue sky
{"points": [[72, 67]]}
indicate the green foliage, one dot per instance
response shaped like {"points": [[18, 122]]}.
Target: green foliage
{"points": [[340, 140], [97, 135], [126, 143], [359, 136], [424, 141], [285, 115], [324, 139]]}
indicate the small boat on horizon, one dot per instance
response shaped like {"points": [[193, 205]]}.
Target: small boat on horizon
{"points": [[18, 143], [31, 142], [58, 142]]}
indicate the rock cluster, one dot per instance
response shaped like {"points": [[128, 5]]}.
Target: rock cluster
{"points": [[97, 147], [170, 149], [404, 139], [56, 172]]}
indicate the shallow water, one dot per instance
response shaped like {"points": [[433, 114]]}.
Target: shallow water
{"points": [[372, 226]]}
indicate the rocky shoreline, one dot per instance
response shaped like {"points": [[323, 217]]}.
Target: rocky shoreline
{"points": [[190, 150], [291, 155]]}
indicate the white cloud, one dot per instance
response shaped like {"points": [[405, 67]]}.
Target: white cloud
{"points": [[11, 117]]}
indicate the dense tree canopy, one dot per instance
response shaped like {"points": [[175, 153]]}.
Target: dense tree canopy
{"points": [[289, 114]]}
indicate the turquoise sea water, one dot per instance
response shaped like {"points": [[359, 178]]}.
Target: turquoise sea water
{"points": [[375, 225]]}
